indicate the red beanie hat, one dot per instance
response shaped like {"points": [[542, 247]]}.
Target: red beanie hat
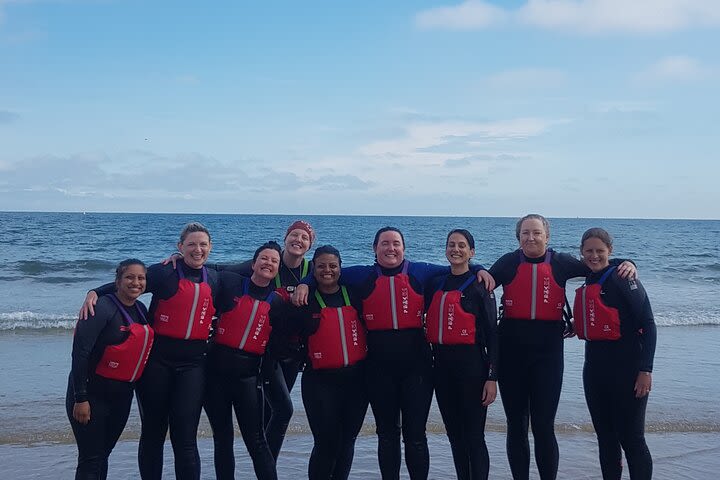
{"points": [[302, 225]]}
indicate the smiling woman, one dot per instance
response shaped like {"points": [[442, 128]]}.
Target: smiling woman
{"points": [[248, 310], [110, 350], [170, 393]]}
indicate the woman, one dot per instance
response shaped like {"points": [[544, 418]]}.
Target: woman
{"points": [[248, 308], [615, 317], [171, 391], [461, 325], [399, 362], [531, 331], [110, 349], [333, 382], [283, 362]]}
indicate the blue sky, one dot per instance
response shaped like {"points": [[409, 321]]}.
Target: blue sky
{"points": [[591, 108]]}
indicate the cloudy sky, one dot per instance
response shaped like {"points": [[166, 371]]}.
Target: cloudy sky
{"points": [[594, 108]]}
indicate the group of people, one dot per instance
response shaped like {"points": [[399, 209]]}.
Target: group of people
{"points": [[387, 335]]}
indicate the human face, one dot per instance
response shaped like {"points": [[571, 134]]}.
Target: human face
{"points": [[390, 251], [457, 250], [266, 264], [195, 249], [327, 272], [131, 284], [297, 242], [595, 254], [533, 238]]}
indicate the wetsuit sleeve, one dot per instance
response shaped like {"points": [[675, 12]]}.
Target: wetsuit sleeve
{"points": [[106, 289], [84, 340], [636, 296], [354, 276], [244, 268], [489, 326], [504, 268]]}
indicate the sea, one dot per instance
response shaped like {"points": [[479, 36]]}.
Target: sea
{"points": [[48, 261]]}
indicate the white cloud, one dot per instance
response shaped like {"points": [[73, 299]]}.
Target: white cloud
{"points": [[526, 78], [470, 15], [578, 16], [676, 68]]}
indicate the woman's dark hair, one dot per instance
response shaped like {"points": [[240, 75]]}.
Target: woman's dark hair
{"points": [[468, 237], [599, 233], [193, 227], [271, 245], [122, 266], [532, 216], [387, 229], [327, 250]]}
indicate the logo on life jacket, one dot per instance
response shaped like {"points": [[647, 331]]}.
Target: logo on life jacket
{"points": [[450, 316], [405, 299], [113, 364], [204, 309], [260, 323], [164, 318], [546, 289]]}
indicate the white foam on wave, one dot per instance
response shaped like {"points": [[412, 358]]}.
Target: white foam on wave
{"points": [[676, 319], [27, 320]]}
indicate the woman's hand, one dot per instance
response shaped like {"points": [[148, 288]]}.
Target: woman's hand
{"points": [[81, 412], [569, 329], [88, 306], [300, 295], [483, 276], [643, 384], [489, 392], [627, 270], [172, 259]]}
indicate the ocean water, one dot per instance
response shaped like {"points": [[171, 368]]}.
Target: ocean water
{"points": [[49, 260]]}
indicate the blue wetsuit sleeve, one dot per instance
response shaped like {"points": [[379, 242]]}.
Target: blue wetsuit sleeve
{"points": [[356, 275]]}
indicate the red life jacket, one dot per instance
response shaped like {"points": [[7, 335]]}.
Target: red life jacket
{"points": [[534, 294], [340, 340], [595, 320], [393, 304], [187, 314], [446, 322], [126, 361], [247, 326]]}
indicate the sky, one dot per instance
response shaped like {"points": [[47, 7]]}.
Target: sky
{"points": [[569, 108]]}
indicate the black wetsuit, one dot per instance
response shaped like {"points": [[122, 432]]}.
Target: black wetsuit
{"points": [[171, 390], [335, 401], [233, 383], [283, 359], [460, 373], [530, 371], [399, 376], [609, 374], [110, 400]]}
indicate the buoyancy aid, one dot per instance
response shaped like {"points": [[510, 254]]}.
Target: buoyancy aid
{"points": [[340, 339], [187, 315], [393, 304], [595, 320], [446, 321], [534, 294], [126, 361], [247, 326]]}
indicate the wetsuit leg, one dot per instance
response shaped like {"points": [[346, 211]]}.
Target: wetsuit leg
{"points": [[458, 396], [249, 402], [153, 394], [96, 439], [323, 408], [277, 397], [354, 404], [631, 428], [185, 407], [514, 384], [546, 385], [416, 390], [384, 393], [598, 395], [218, 407], [290, 368]]}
